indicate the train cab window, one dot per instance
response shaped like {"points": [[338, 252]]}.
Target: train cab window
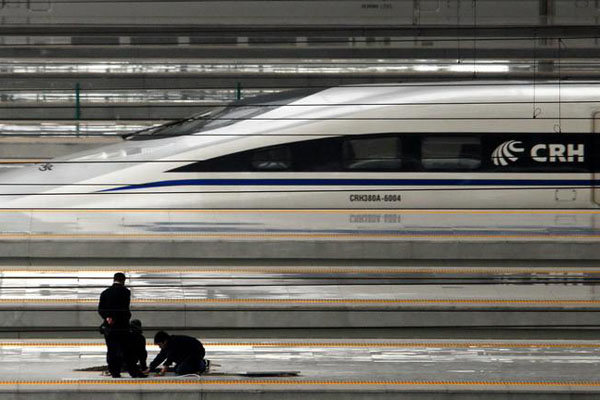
{"points": [[372, 154], [450, 153], [271, 159]]}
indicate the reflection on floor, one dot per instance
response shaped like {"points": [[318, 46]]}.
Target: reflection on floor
{"points": [[335, 360]]}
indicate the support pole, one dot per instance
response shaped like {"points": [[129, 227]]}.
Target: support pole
{"points": [[77, 105], [238, 91]]}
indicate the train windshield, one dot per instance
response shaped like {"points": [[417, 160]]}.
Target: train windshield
{"points": [[220, 117]]}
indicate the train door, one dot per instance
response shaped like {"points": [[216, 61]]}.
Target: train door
{"points": [[596, 144]]}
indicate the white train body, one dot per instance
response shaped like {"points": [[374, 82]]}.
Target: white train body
{"points": [[398, 146]]}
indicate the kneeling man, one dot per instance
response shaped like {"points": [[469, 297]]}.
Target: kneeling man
{"points": [[185, 351]]}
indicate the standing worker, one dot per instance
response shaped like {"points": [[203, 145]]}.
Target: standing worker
{"points": [[114, 309], [185, 351]]}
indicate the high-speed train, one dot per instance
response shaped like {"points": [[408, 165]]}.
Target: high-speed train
{"points": [[477, 144]]}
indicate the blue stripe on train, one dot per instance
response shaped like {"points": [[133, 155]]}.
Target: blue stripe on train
{"points": [[361, 182]]}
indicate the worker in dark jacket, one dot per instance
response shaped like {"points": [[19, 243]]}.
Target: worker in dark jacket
{"points": [[185, 351], [114, 309]]}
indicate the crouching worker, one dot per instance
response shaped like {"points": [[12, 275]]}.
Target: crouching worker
{"points": [[185, 351], [137, 344]]}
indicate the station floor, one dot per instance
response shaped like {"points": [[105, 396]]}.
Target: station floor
{"points": [[90, 235], [325, 368], [291, 224], [176, 291], [51, 298], [318, 285], [263, 298]]}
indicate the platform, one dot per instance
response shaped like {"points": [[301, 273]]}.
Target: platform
{"points": [[329, 369], [278, 298], [302, 234]]}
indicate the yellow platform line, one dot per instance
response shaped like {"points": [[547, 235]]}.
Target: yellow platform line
{"points": [[305, 301], [296, 382], [440, 235], [307, 211], [210, 344]]}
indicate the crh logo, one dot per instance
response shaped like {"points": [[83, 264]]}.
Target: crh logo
{"points": [[555, 152], [506, 152], [543, 153]]}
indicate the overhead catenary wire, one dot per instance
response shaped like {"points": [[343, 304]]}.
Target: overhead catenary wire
{"points": [[234, 105], [387, 84]]}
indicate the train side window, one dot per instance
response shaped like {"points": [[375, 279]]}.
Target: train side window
{"points": [[372, 154], [230, 163], [448, 153], [324, 155], [271, 159]]}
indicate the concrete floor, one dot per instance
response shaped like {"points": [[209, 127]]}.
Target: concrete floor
{"points": [[327, 369], [290, 288], [301, 234], [345, 224], [48, 300], [66, 298]]}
